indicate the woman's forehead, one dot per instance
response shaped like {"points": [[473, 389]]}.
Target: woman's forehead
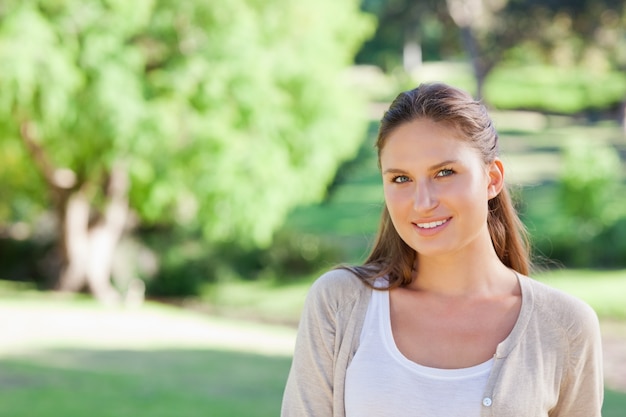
{"points": [[423, 142]]}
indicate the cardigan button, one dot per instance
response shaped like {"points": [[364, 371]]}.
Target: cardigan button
{"points": [[487, 402]]}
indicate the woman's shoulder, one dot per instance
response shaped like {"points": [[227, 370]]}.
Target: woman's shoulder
{"points": [[561, 308], [340, 279], [339, 286]]}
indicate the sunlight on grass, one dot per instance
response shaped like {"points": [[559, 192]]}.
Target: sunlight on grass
{"points": [[77, 358], [605, 291], [518, 120], [44, 324], [458, 74], [532, 167], [258, 300]]}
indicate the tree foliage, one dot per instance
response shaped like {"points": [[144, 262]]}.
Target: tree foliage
{"points": [[224, 115], [583, 33], [588, 183], [402, 23]]}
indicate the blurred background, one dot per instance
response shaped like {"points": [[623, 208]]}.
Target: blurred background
{"points": [[175, 174]]}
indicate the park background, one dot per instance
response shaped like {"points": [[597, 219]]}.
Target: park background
{"points": [[174, 175]]}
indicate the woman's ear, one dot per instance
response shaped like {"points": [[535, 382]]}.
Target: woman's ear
{"points": [[496, 178]]}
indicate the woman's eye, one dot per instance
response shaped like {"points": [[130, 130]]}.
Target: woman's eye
{"points": [[400, 179], [445, 172]]}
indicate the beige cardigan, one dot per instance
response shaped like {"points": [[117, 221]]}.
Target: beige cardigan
{"points": [[550, 364]]}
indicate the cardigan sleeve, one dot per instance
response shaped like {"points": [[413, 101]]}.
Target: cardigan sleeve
{"points": [[327, 338], [309, 388], [582, 389]]}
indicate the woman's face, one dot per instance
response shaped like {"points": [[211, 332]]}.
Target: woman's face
{"points": [[437, 188]]}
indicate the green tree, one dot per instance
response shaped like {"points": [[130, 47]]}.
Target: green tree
{"points": [[215, 115], [560, 32], [479, 27], [407, 32], [565, 33]]}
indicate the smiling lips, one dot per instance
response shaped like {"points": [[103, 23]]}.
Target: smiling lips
{"points": [[431, 225]]}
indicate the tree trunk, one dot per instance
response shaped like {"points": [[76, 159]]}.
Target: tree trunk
{"points": [[88, 250], [471, 46], [412, 50], [104, 237], [466, 13], [73, 241]]}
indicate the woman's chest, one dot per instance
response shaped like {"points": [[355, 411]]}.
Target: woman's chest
{"points": [[446, 334]]}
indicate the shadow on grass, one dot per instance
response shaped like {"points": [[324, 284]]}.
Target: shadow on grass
{"points": [[161, 383]]}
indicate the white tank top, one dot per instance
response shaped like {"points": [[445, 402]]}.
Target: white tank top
{"points": [[382, 382]]}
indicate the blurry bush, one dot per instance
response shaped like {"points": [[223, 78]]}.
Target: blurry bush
{"points": [[581, 223], [187, 263], [589, 179], [294, 255], [14, 252]]}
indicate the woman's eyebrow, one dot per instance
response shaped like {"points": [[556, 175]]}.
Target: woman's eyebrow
{"points": [[442, 164], [431, 168], [394, 171]]}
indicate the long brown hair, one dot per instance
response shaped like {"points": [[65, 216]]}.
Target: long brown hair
{"points": [[390, 255]]}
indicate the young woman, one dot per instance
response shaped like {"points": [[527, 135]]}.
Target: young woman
{"points": [[441, 319]]}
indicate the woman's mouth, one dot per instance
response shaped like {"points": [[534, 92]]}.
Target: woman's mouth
{"points": [[431, 225]]}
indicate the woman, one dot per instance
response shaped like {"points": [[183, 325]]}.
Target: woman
{"points": [[441, 319]]}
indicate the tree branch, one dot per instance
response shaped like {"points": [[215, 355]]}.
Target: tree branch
{"points": [[57, 178]]}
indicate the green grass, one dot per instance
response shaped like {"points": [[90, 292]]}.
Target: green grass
{"points": [[77, 378], [75, 358], [614, 404], [184, 383], [550, 88], [260, 300], [159, 384], [605, 291], [539, 87]]}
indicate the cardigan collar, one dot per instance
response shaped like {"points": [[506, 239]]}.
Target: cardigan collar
{"points": [[528, 304]]}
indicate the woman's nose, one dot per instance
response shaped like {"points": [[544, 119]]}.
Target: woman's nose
{"points": [[424, 197]]}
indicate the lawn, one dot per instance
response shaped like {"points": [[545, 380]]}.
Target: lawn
{"points": [[74, 358], [130, 383], [605, 291]]}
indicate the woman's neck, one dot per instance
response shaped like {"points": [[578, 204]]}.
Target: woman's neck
{"points": [[464, 274]]}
